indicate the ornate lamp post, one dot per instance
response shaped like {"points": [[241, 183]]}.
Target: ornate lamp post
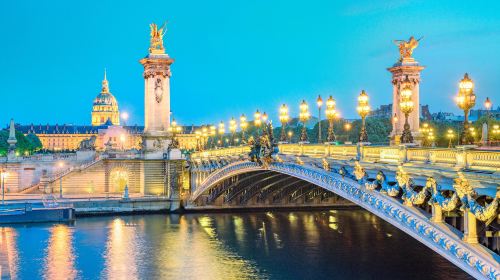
{"points": [[243, 126], [61, 165], [363, 110], [495, 131], [304, 116], [319, 102], [213, 132], [284, 118], [232, 128], [488, 105], [486, 131], [290, 134], [466, 99], [257, 121], [175, 129], [222, 130], [204, 137], [197, 134], [450, 134], [406, 105], [425, 130], [3, 175], [331, 113]]}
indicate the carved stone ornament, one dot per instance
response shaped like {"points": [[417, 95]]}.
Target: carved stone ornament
{"points": [[158, 90]]}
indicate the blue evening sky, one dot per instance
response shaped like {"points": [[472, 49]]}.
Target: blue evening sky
{"points": [[232, 57]]}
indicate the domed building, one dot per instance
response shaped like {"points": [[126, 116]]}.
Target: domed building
{"points": [[105, 108]]}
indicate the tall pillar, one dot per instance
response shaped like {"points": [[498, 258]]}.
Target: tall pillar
{"points": [[156, 92], [406, 66]]}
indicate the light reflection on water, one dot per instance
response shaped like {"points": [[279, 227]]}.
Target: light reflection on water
{"points": [[275, 245]]}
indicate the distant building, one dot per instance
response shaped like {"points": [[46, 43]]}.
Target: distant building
{"points": [[105, 127], [385, 111], [478, 113]]}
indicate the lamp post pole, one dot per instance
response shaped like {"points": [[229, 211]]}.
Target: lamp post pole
{"points": [[363, 110], [319, 102], [466, 99], [243, 126], [331, 113], [406, 105], [284, 117], [304, 117]]}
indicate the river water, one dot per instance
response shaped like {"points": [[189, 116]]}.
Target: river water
{"points": [[343, 244]]}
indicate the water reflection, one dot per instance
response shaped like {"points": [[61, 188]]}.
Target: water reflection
{"points": [[8, 254], [121, 251], [59, 262], [274, 245]]}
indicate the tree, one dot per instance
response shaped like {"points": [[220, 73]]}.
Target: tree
{"points": [[25, 144]]}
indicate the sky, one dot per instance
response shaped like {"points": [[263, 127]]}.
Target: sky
{"points": [[233, 57]]}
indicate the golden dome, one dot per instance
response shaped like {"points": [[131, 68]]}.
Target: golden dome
{"points": [[105, 107]]}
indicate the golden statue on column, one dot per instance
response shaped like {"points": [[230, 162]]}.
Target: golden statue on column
{"points": [[156, 41], [406, 47]]}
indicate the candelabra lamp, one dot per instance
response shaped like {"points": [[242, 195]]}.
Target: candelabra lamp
{"points": [[330, 116], [363, 111], [466, 99], [284, 118], [406, 105], [304, 116]]}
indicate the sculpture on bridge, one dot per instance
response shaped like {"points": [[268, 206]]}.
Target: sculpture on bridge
{"points": [[264, 147], [156, 41], [360, 173], [87, 144], [447, 204], [466, 193], [406, 47]]}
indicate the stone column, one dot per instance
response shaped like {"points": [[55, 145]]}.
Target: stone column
{"points": [[407, 67], [470, 227]]}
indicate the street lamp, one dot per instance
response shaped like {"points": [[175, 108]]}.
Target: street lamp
{"points": [[232, 128], [3, 175], [290, 134], [319, 102], [122, 140], [243, 125], [264, 118], [406, 105], [197, 134], [222, 130], [487, 104], [124, 116], [204, 136], [174, 128], [495, 131], [331, 113], [284, 118], [363, 110], [304, 116], [213, 132], [450, 134], [61, 165], [425, 130], [257, 121], [466, 99]]}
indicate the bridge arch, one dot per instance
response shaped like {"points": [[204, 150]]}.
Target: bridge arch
{"points": [[441, 238]]}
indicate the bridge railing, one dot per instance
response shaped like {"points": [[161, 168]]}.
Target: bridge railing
{"points": [[230, 151], [460, 157]]}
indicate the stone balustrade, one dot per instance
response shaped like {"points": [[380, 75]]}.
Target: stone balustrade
{"points": [[460, 157]]}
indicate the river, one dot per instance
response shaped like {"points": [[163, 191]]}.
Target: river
{"points": [[335, 244]]}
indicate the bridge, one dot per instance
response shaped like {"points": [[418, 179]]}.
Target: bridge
{"points": [[445, 198]]}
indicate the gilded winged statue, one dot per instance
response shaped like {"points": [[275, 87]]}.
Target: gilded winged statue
{"points": [[156, 41], [406, 47]]}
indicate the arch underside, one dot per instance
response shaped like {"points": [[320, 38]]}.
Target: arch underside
{"points": [[267, 188], [245, 183]]}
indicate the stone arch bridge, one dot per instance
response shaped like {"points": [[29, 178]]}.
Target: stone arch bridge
{"points": [[445, 198]]}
